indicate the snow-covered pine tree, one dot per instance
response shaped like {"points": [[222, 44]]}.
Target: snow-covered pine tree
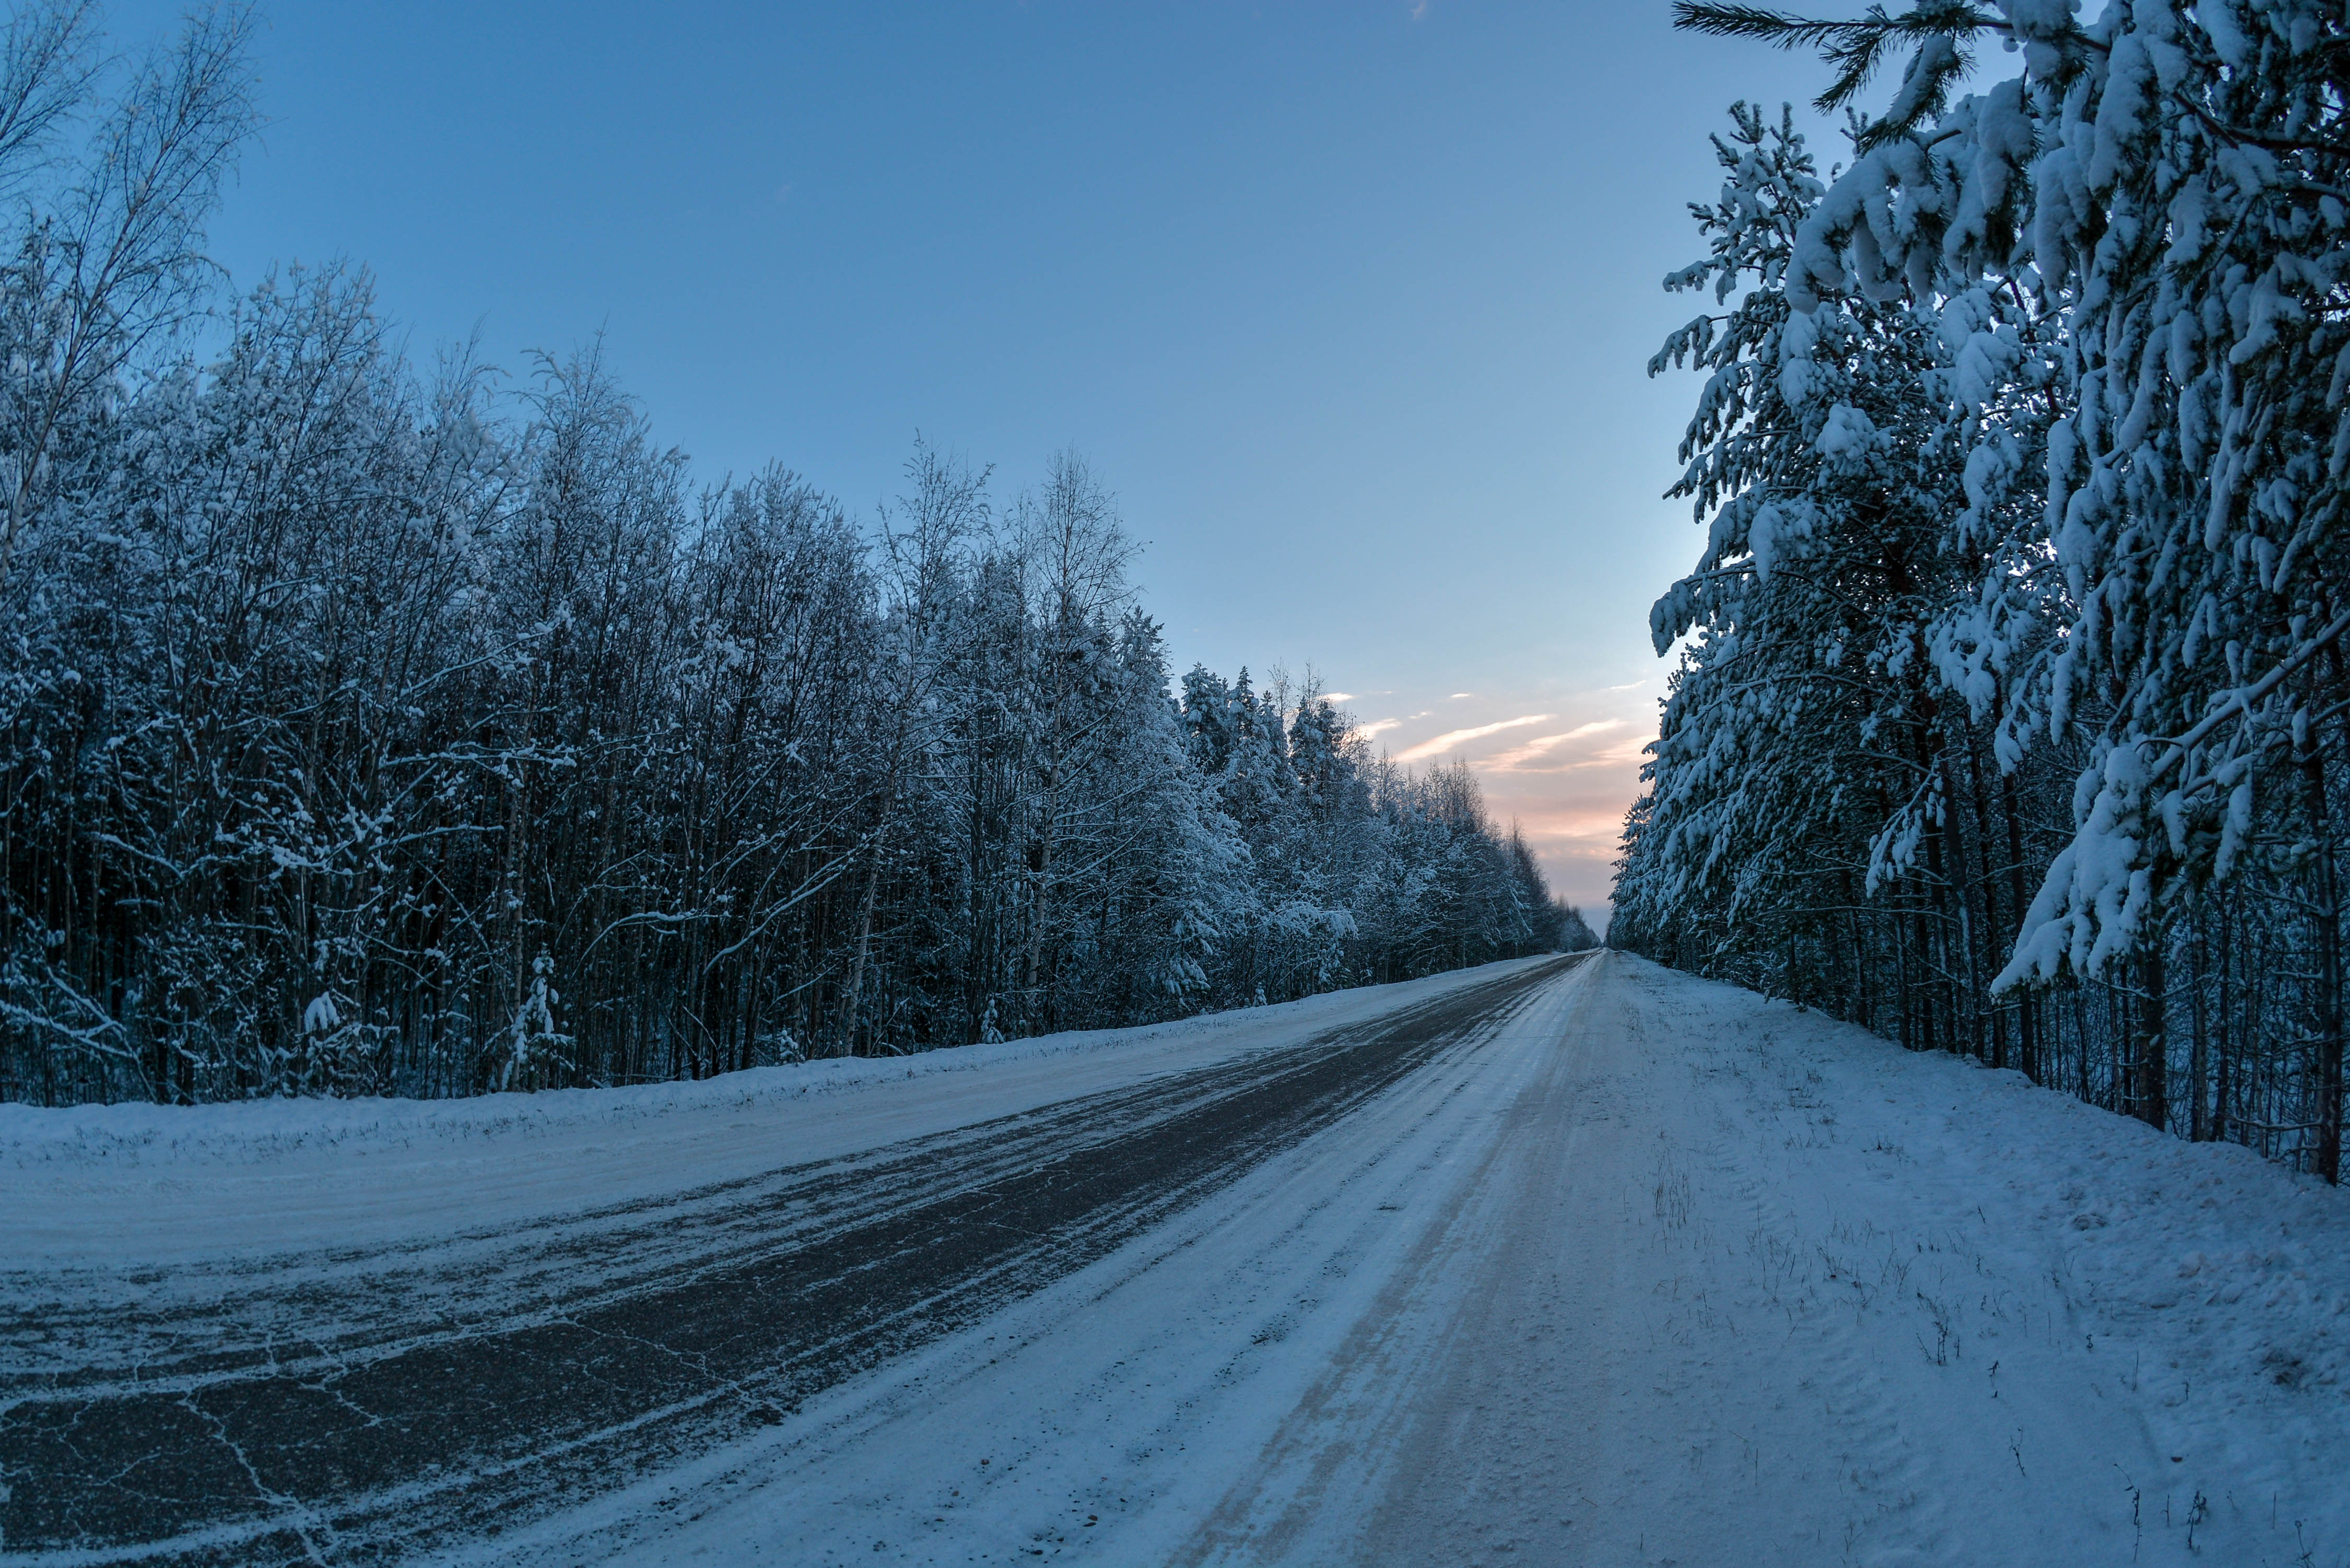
{"points": [[1802, 827], [2158, 197]]}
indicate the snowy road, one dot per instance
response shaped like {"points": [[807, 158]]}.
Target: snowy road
{"points": [[1574, 1262], [373, 1398]]}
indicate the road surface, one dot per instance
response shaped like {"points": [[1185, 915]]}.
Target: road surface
{"points": [[1572, 1260]]}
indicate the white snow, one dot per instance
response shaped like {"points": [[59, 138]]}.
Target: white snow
{"points": [[1662, 1273]]}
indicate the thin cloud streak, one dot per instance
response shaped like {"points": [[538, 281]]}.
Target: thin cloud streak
{"points": [[1516, 757], [1623, 754], [1451, 737]]}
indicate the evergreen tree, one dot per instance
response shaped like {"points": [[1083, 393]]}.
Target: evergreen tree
{"points": [[2127, 255]]}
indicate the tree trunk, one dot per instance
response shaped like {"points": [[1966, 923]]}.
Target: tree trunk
{"points": [[852, 990], [2019, 899], [2225, 1082], [2198, 1121], [2328, 1066], [2153, 1068]]}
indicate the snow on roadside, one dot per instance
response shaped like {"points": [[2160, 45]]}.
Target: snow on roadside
{"points": [[111, 1184], [2224, 1278], [2079, 1338], [2215, 1269]]}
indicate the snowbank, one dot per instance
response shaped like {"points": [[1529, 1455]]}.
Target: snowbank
{"points": [[124, 1182]]}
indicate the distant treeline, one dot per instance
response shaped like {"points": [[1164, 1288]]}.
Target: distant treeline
{"points": [[368, 733], [2012, 717]]}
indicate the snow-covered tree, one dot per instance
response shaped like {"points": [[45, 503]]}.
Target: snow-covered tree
{"points": [[2132, 253], [370, 731]]}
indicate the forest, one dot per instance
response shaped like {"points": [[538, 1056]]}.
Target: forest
{"points": [[2011, 716], [375, 729]]}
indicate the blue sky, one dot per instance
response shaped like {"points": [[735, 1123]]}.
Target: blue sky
{"points": [[1350, 304]]}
